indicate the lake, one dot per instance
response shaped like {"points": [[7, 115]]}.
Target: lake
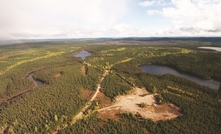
{"points": [[160, 70], [83, 54], [212, 48]]}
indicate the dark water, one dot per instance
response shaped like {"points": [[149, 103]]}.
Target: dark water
{"points": [[160, 70], [83, 54], [37, 82], [29, 76]]}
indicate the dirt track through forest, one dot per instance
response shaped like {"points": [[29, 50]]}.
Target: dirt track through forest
{"points": [[81, 113]]}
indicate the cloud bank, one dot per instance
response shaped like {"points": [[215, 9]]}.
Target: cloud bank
{"points": [[52, 18], [191, 17], [21, 19]]}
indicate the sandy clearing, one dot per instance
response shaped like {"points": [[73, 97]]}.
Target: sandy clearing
{"points": [[83, 70], [130, 103]]}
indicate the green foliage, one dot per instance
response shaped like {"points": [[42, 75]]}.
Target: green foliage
{"points": [[113, 86], [142, 105], [53, 105], [60, 98], [159, 99], [90, 80], [94, 106], [198, 103], [94, 125], [205, 65], [30, 58]]}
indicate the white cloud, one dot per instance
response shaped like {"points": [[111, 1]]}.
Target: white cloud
{"points": [[147, 3], [102, 18], [196, 17], [32, 18], [63, 31], [120, 28], [152, 12]]}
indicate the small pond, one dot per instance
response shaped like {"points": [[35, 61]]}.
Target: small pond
{"points": [[37, 82], [83, 54], [160, 70]]}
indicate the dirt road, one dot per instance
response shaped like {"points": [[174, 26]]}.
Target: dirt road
{"points": [[81, 113]]}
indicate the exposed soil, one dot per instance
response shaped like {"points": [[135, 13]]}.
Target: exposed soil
{"points": [[83, 70], [87, 94], [3, 128], [57, 75], [110, 114], [165, 112], [80, 114], [105, 100], [131, 103]]}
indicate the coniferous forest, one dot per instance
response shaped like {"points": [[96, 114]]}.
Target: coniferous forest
{"points": [[68, 84]]}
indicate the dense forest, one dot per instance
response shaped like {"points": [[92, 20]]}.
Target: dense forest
{"points": [[27, 108], [205, 65]]}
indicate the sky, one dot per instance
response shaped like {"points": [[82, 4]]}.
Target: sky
{"points": [[39, 19]]}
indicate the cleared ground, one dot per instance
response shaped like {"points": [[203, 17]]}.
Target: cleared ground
{"points": [[132, 103]]}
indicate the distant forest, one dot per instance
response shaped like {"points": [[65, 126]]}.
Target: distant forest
{"points": [[69, 83]]}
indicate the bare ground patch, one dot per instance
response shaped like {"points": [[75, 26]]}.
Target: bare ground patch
{"points": [[83, 70], [57, 75], [86, 94], [110, 114], [132, 103], [105, 100], [3, 128]]}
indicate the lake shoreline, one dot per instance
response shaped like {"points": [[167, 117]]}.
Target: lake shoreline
{"points": [[161, 70]]}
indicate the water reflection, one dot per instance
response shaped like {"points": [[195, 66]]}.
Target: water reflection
{"points": [[37, 82], [83, 54], [160, 70]]}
